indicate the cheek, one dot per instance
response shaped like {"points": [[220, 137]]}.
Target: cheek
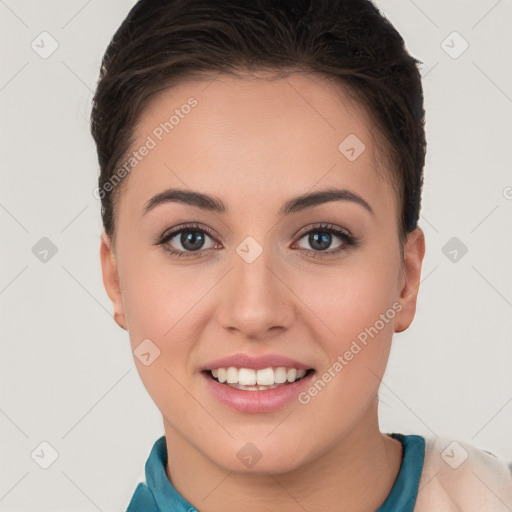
{"points": [[351, 298], [162, 305], [158, 298], [357, 305]]}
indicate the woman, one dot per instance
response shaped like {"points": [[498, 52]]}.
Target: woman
{"points": [[261, 173]]}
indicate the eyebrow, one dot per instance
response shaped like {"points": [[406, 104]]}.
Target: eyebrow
{"points": [[293, 205]]}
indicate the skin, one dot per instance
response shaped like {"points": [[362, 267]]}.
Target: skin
{"points": [[254, 143]]}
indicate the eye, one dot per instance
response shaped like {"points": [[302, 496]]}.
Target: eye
{"points": [[187, 241], [192, 240], [321, 238]]}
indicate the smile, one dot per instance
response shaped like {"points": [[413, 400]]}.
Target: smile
{"points": [[248, 379]]}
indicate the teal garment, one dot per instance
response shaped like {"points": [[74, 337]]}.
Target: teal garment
{"points": [[158, 495], [402, 496]]}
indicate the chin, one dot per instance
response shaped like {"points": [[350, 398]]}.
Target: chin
{"points": [[261, 457]]}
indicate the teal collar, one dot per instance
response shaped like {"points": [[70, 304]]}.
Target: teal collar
{"points": [[402, 496]]}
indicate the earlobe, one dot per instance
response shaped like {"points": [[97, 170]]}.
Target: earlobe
{"points": [[111, 279], [414, 251]]}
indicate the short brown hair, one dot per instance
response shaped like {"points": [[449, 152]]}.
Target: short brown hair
{"points": [[164, 41]]}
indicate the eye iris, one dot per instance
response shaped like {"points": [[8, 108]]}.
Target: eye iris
{"points": [[318, 238], [189, 240]]}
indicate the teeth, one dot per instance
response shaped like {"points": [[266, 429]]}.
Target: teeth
{"points": [[291, 375], [221, 374], [247, 377], [266, 378], [232, 375], [280, 375]]}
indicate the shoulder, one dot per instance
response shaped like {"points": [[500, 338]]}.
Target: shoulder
{"points": [[458, 476]]}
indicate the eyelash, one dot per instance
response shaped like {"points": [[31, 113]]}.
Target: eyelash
{"points": [[347, 239]]}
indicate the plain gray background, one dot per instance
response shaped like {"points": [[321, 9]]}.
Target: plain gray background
{"points": [[67, 373]]}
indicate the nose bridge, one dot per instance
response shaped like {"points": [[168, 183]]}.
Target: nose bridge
{"points": [[252, 264], [256, 300]]}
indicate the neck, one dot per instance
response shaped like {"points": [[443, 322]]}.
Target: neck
{"points": [[357, 473]]}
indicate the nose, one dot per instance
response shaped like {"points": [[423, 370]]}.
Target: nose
{"points": [[256, 301]]}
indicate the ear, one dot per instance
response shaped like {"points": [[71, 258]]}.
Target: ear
{"points": [[414, 251], [111, 279]]}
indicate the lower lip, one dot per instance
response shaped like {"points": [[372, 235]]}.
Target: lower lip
{"points": [[267, 400]]}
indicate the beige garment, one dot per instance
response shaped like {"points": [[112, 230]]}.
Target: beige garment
{"points": [[458, 476]]}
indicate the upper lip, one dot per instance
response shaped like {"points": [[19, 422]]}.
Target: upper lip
{"points": [[242, 360]]}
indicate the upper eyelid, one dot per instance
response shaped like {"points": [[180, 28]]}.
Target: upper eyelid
{"points": [[328, 226]]}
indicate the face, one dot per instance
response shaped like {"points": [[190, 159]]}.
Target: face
{"points": [[255, 276]]}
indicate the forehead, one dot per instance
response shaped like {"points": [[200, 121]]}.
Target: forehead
{"points": [[255, 138]]}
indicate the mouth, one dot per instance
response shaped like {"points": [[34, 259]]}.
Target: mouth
{"points": [[249, 379]]}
